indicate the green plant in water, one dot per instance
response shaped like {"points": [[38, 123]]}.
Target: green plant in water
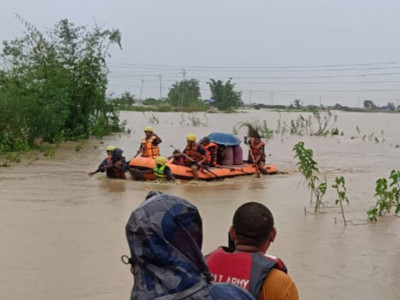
{"points": [[13, 157], [48, 150], [388, 195], [195, 121], [340, 186], [256, 128], [308, 167], [153, 120]]}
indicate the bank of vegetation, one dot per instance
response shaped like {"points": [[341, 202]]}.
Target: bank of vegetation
{"points": [[185, 96], [53, 86]]}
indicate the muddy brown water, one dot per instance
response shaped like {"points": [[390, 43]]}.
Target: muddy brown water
{"points": [[62, 232]]}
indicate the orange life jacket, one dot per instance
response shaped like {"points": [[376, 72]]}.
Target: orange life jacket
{"points": [[211, 156], [117, 170], [193, 154], [255, 149], [148, 149]]}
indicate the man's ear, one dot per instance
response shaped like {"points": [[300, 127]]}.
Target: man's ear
{"points": [[232, 233], [273, 234]]}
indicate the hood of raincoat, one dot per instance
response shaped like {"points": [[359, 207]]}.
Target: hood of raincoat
{"points": [[165, 236], [117, 154]]}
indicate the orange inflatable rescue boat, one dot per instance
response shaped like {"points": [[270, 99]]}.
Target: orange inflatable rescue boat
{"points": [[139, 164]]}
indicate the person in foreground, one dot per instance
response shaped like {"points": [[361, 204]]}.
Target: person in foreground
{"points": [[114, 164], [245, 263], [165, 237]]}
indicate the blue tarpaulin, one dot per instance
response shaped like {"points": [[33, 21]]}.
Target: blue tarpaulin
{"points": [[223, 138]]}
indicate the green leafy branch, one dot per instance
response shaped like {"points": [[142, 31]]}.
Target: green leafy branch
{"points": [[340, 186], [388, 196], [308, 167]]}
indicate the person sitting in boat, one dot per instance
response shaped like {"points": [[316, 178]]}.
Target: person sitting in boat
{"points": [[245, 260], [114, 164], [177, 158], [165, 235], [161, 170], [194, 154], [211, 151], [256, 152], [149, 145]]}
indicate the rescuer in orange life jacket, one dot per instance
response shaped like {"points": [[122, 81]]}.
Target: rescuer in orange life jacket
{"points": [[114, 164], [149, 145], [256, 152], [194, 155], [211, 151], [245, 262]]}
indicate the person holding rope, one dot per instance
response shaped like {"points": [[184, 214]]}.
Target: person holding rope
{"points": [[114, 164], [256, 152]]}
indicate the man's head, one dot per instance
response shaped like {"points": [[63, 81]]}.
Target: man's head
{"points": [[191, 138], [257, 140], [165, 237], [110, 149], [161, 161], [205, 141], [253, 225], [148, 131]]}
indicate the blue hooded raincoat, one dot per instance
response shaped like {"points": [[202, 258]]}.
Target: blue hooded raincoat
{"points": [[165, 236]]}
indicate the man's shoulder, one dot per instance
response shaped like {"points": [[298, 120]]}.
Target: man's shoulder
{"points": [[279, 285]]}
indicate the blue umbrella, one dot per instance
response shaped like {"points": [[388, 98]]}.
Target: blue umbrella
{"points": [[223, 138]]}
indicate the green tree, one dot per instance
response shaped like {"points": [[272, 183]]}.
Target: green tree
{"points": [[54, 84], [185, 93], [224, 94], [126, 99], [297, 103], [369, 104]]}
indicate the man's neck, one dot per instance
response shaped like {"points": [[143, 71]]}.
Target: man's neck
{"points": [[247, 248]]}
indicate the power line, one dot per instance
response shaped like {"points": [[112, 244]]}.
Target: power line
{"points": [[255, 68]]}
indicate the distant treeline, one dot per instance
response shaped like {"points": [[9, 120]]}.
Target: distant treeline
{"points": [[53, 85], [185, 96], [368, 107]]}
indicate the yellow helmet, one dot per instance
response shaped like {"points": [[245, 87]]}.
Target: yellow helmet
{"points": [[161, 160], [110, 148], [191, 137], [148, 128]]}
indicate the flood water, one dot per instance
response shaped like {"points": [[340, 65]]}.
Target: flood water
{"points": [[62, 232]]}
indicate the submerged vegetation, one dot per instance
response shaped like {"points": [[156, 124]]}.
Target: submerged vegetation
{"points": [[255, 129], [341, 190], [388, 193], [308, 167], [53, 85]]}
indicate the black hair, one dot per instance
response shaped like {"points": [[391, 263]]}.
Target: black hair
{"points": [[253, 223]]}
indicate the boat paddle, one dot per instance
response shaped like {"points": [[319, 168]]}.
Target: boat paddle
{"points": [[255, 163], [200, 166]]}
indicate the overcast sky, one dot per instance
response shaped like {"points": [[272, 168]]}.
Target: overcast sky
{"points": [[319, 51]]}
